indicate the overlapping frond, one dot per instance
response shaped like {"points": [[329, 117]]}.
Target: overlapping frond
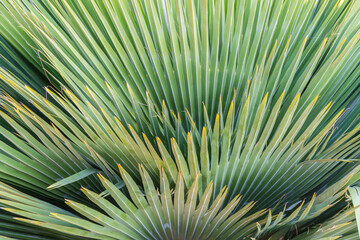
{"points": [[261, 165], [259, 98], [162, 213], [192, 59]]}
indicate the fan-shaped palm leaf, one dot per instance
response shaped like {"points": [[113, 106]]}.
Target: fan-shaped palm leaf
{"points": [[258, 96]]}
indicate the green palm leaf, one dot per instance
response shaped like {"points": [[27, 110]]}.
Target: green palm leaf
{"points": [[153, 215], [212, 99]]}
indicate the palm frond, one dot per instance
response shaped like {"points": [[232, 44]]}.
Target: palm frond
{"points": [[259, 98], [163, 214]]}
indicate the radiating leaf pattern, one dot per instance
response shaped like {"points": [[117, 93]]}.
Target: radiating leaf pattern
{"points": [[229, 118]]}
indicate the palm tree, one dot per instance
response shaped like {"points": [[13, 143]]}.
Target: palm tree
{"points": [[174, 119]]}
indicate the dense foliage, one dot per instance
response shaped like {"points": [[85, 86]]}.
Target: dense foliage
{"points": [[179, 119]]}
